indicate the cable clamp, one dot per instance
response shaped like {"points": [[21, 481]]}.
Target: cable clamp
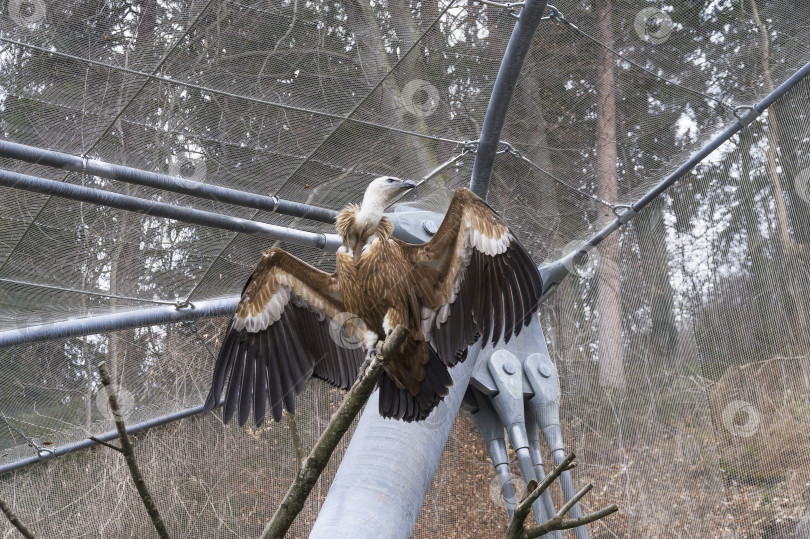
{"points": [[513, 9], [183, 304], [44, 454], [276, 203], [554, 14], [470, 146], [624, 212], [746, 114], [508, 148]]}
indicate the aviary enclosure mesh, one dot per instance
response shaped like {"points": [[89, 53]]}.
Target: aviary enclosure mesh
{"points": [[308, 99]]}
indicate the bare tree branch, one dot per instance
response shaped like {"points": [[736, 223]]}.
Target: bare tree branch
{"points": [[559, 523], [296, 439], [102, 442], [517, 529], [28, 534], [129, 455], [522, 509], [314, 464]]}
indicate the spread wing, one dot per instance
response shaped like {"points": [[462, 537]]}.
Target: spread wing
{"points": [[474, 279], [290, 325]]}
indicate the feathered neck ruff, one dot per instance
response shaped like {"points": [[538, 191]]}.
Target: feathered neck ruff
{"points": [[355, 228]]}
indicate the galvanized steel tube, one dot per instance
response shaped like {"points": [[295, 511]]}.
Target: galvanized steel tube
{"points": [[169, 211], [64, 161]]}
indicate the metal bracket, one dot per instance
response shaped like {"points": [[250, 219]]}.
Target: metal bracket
{"points": [[491, 428], [624, 212], [413, 225], [45, 454], [746, 114], [520, 383]]}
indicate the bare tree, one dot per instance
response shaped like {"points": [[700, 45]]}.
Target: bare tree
{"points": [[608, 302]]}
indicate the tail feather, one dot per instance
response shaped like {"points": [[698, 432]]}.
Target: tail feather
{"points": [[400, 404]]}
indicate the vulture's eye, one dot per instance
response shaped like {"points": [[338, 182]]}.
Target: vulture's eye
{"points": [[389, 180]]}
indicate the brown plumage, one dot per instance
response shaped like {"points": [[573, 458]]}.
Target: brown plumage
{"points": [[472, 280]]}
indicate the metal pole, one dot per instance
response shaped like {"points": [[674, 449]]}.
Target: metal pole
{"points": [[555, 272], [388, 468], [105, 437], [170, 211], [91, 325], [502, 91], [73, 163]]}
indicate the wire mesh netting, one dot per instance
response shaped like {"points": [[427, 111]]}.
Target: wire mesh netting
{"points": [[682, 341]]}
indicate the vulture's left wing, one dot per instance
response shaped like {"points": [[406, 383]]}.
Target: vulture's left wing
{"points": [[474, 279], [288, 327]]}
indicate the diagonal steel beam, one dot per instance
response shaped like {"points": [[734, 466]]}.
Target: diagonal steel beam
{"points": [[519, 44]]}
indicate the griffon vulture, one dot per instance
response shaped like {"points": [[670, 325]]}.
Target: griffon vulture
{"points": [[472, 280]]}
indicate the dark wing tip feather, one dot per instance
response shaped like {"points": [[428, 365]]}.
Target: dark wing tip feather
{"points": [[274, 365], [248, 379], [497, 298], [400, 404], [234, 384], [222, 367], [261, 389]]}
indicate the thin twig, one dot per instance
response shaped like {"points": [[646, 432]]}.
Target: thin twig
{"points": [[105, 444], [558, 523], [129, 456], [28, 534], [517, 529], [315, 463], [522, 509], [578, 496]]}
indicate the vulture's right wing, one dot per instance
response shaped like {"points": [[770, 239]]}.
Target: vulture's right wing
{"points": [[290, 325], [473, 279]]}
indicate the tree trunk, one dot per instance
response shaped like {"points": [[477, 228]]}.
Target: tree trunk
{"points": [[792, 273], [126, 255], [376, 65], [608, 301], [651, 234]]}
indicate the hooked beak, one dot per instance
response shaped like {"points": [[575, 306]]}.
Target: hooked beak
{"points": [[408, 184]]}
